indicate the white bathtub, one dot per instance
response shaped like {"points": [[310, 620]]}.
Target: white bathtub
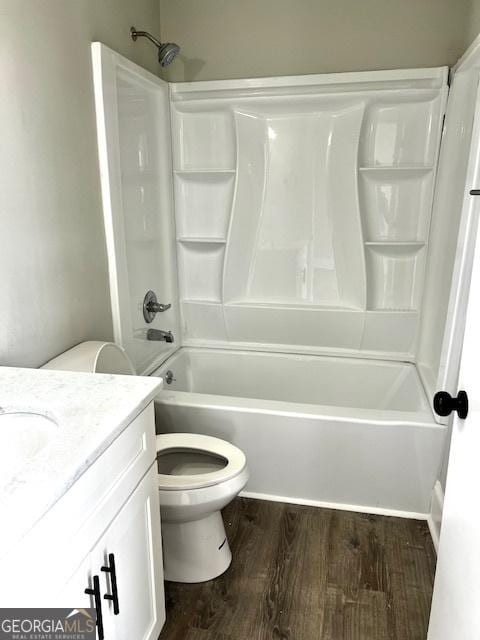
{"points": [[341, 432]]}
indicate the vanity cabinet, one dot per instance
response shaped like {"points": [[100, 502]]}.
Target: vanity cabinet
{"points": [[124, 566], [103, 535]]}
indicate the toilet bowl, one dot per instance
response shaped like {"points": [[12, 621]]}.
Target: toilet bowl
{"points": [[197, 477]]}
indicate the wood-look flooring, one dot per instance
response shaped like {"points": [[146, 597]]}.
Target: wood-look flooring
{"points": [[303, 573]]}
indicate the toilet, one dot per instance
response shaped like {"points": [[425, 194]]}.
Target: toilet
{"points": [[197, 477]]}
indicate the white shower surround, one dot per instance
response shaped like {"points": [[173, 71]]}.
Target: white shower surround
{"points": [[254, 279], [306, 202]]}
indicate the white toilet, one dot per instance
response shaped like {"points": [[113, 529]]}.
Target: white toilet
{"points": [[198, 476]]}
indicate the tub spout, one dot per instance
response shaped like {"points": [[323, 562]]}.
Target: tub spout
{"points": [[158, 334]]}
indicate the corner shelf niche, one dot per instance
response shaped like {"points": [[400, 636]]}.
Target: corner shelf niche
{"points": [[204, 180], [399, 133], [201, 266], [394, 275], [396, 179], [203, 202], [396, 202], [203, 138]]}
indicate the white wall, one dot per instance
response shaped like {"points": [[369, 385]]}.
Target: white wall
{"points": [[53, 270], [232, 38]]}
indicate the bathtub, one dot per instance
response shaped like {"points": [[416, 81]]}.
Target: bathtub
{"points": [[329, 431]]}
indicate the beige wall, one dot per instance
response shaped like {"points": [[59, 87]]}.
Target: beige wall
{"points": [[53, 271], [246, 38], [473, 27]]}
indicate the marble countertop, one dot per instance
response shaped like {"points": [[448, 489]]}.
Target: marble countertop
{"points": [[90, 411]]}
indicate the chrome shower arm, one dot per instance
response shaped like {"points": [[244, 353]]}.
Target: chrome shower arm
{"points": [[144, 34]]}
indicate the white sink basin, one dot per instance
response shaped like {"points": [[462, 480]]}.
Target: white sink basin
{"points": [[22, 436]]}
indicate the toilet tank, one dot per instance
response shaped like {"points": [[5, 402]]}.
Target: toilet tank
{"points": [[93, 357]]}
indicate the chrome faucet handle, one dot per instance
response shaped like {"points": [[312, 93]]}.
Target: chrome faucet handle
{"points": [[156, 307], [151, 306]]}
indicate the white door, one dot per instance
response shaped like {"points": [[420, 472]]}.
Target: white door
{"points": [[455, 611], [456, 599], [131, 551], [134, 144]]}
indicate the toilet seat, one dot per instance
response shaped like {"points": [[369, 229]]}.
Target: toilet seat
{"points": [[236, 461]]}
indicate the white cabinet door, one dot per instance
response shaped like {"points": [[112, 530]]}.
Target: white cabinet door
{"points": [[134, 540], [73, 593], [73, 596], [130, 554]]}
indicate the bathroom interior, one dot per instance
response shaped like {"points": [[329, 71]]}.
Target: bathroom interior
{"points": [[238, 242]]}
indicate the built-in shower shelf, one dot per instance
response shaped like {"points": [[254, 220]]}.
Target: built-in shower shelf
{"points": [[396, 168], [397, 310], [197, 172], [389, 310], [394, 275], [401, 244], [284, 304], [199, 239], [398, 249], [393, 310]]}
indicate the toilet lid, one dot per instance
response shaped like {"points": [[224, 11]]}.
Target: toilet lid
{"points": [[235, 460]]}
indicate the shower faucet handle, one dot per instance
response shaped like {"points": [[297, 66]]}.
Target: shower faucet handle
{"points": [[151, 306], [157, 307]]}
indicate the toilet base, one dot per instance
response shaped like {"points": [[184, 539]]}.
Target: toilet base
{"points": [[195, 551]]}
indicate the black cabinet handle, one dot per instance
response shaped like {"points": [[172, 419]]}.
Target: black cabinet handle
{"points": [[113, 582], [475, 192], [444, 404], [95, 592]]}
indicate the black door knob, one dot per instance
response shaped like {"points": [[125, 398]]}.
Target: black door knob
{"points": [[444, 404]]}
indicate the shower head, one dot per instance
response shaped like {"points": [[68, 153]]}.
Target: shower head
{"points": [[167, 51]]}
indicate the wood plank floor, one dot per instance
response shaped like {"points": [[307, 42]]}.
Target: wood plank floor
{"points": [[302, 573]]}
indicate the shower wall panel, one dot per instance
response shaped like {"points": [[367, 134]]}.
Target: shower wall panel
{"points": [[303, 209]]}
